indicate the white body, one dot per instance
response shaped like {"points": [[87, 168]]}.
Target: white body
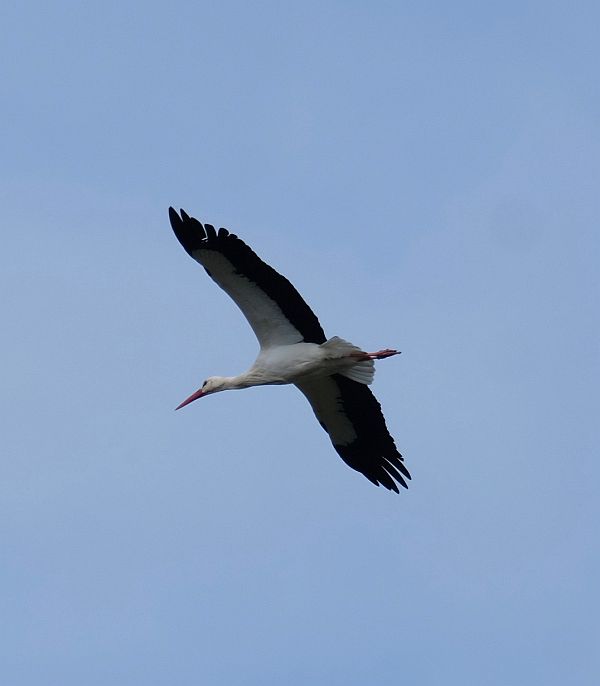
{"points": [[291, 363]]}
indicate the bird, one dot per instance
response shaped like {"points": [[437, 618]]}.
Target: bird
{"points": [[333, 374]]}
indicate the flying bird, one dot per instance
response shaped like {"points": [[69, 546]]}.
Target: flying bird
{"points": [[332, 373]]}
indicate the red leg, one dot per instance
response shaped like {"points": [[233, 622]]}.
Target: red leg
{"points": [[382, 354], [379, 355]]}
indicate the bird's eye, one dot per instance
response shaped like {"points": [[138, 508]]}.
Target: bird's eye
{"points": [[204, 384]]}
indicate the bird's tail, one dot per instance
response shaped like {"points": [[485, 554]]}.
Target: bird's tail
{"points": [[357, 369]]}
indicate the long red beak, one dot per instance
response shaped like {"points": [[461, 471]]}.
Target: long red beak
{"points": [[187, 401]]}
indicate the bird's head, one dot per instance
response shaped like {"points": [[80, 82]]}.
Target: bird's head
{"points": [[213, 384]]}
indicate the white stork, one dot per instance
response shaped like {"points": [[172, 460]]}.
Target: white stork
{"points": [[333, 374]]}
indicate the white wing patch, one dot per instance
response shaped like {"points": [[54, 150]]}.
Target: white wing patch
{"points": [[263, 314], [324, 396]]}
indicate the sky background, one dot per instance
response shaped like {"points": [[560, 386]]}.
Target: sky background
{"points": [[427, 174]]}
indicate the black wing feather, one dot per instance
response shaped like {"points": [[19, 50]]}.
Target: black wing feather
{"points": [[374, 452], [194, 236]]}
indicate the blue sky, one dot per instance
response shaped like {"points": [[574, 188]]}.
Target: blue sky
{"points": [[427, 175]]}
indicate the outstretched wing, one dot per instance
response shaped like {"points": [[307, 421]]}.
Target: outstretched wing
{"points": [[273, 307], [352, 417]]}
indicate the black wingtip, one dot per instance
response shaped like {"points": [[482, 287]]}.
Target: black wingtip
{"points": [[174, 218], [190, 232]]}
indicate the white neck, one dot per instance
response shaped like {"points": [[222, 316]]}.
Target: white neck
{"points": [[252, 377]]}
